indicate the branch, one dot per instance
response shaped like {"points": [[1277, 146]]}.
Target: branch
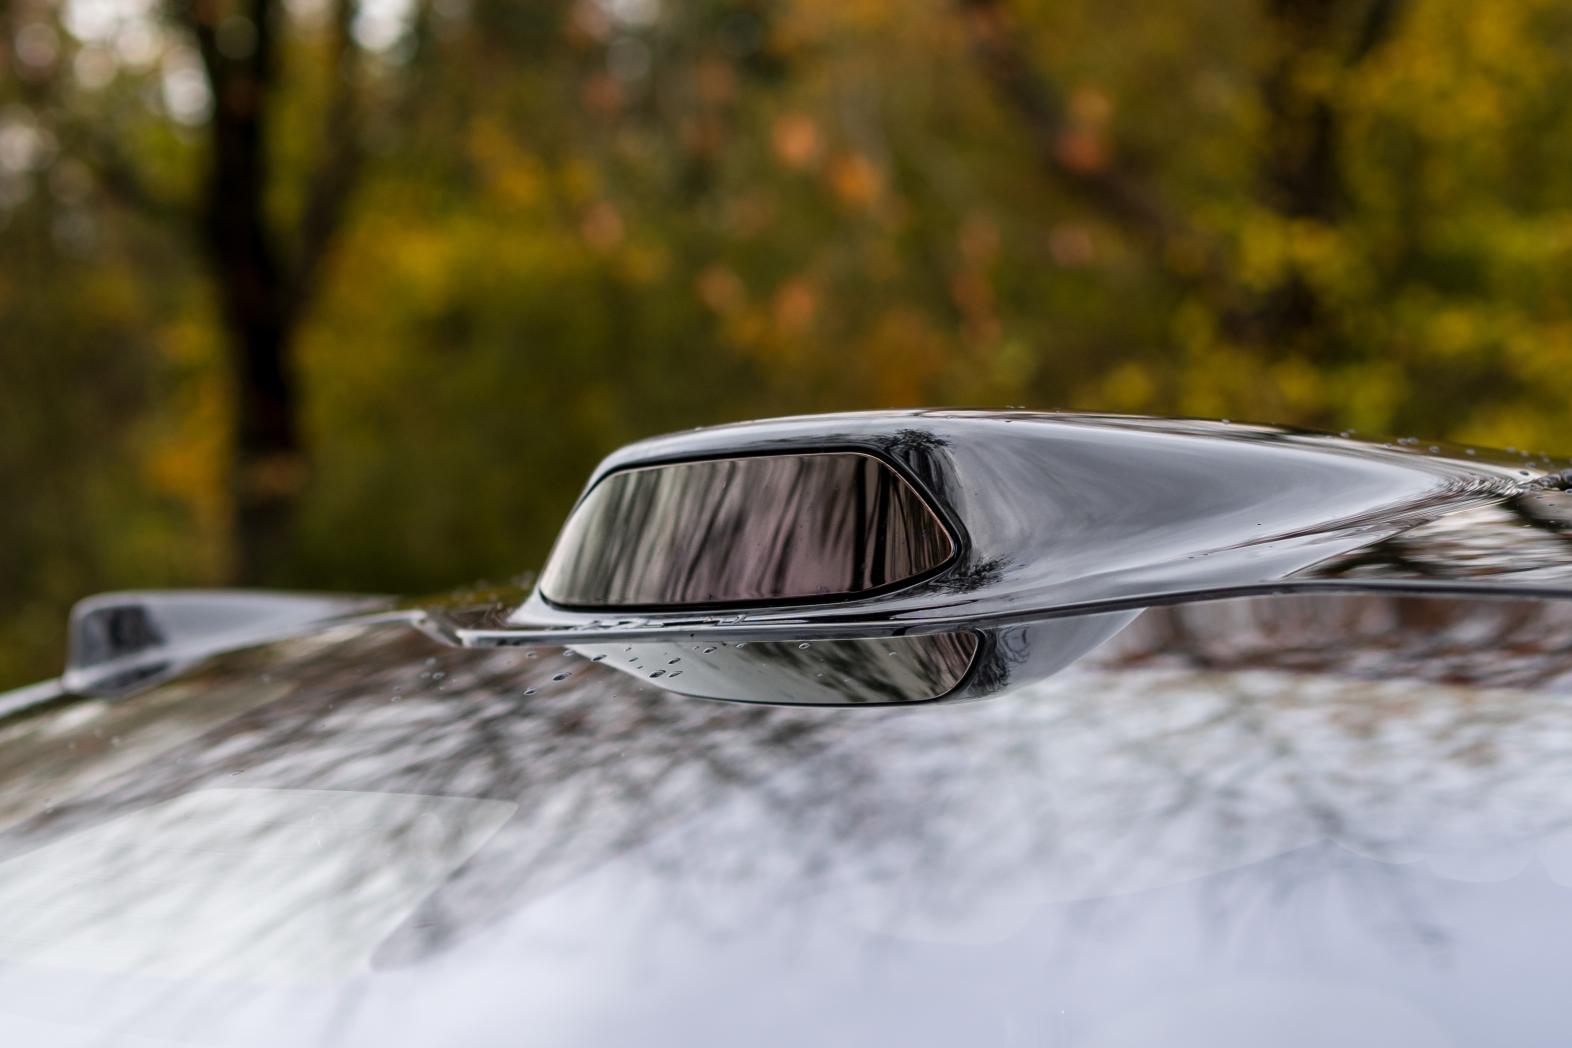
{"points": [[89, 141], [120, 179], [1375, 29], [1189, 257], [201, 20], [996, 41], [113, 171], [337, 167]]}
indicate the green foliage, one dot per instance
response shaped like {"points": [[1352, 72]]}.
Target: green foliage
{"points": [[578, 223]]}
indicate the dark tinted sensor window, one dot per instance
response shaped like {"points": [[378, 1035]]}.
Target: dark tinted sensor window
{"points": [[748, 529]]}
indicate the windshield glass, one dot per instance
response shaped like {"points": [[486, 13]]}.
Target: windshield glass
{"points": [[1353, 812]]}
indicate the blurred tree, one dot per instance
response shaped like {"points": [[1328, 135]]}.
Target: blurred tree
{"points": [[1310, 51], [462, 248]]}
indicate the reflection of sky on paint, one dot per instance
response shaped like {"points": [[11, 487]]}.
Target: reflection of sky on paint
{"points": [[1261, 898], [254, 885], [1076, 863]]}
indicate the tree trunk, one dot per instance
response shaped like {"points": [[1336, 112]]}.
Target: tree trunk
{"points": [[256, 294], [267, 461]]}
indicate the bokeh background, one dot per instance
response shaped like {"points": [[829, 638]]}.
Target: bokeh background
{"points": [[352, 293]]}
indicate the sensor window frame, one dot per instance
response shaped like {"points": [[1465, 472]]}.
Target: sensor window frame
{"points": [[941, 530]]}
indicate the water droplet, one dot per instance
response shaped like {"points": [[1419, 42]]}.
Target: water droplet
{"points": [[804, 644], [673, 662], [707, 650], [529, 691], [676, 673], [657, 673], [597, 658], [561, 676], [529, 654]]}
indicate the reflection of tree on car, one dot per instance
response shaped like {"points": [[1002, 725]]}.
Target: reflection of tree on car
{"points": [[1201, 739]]}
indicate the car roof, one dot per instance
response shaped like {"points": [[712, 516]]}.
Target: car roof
{"points": [[1237, 800]]}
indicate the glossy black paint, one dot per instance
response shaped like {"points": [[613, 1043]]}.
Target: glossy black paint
{"points": [[744, 531], [1068, 514], [1068, 525]]}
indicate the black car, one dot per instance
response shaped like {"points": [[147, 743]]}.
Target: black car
{"points": [[919, 728]]}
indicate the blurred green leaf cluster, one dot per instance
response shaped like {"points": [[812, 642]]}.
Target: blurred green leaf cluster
{"points": [[567, 224]]}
